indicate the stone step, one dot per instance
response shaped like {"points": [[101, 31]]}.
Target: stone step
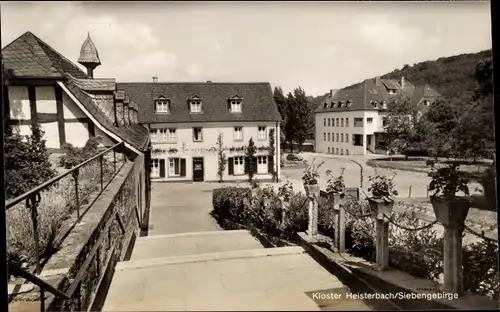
{"points": [[159, 246], [192, 258]]}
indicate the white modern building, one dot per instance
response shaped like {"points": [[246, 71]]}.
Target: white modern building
{"points": [[349, 121]]}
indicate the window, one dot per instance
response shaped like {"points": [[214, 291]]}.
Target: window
{"points": [[384, 105], [342, 137], [162, 106], [154, 134], [369, 120], [162, 134], [347, 152], [347, 137], [341, 122], [197, 135], [196, 106], [328, 137], [358, 122], [172, 135], [261, 135], [357, 140], [324, 122], [328, 150], [337, 151], [239, 165], [328, 122], [336, 122], [337, 138], [262, 164], [174, 167], [236, 106], [384, 121], [426, 103], [155, 168], [347, 122], [341, 151], [238, 133], [324, 136]]}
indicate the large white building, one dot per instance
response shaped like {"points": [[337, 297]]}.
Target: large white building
{"points": [[349, 121], [186, 119]]}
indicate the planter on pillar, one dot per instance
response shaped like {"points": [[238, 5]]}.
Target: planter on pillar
{"points": [[337, 199], [311, 189], [380, 206], [451, 210]]}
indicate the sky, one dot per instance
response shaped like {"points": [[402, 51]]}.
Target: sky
{"points": [[315, 45]]}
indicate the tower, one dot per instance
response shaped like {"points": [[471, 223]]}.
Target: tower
{"points": [[89, 56]]}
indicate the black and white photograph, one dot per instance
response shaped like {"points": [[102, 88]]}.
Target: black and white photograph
{"points": [[249, 156]]}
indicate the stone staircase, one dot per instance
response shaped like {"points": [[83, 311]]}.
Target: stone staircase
{"points": [[220, 270]]}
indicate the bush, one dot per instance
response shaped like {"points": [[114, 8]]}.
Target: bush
{"points": [[76, 155], [26, 163], [228, 203], [489, 188]]}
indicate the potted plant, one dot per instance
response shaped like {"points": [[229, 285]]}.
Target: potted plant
{"points": [[310, 178], [382, 191], [445, 184], [336, 188]]}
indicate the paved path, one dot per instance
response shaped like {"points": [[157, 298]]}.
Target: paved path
{"points": [[181, 208]]}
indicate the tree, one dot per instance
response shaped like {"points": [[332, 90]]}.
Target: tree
{"points": [[292, 120], [272, 153], [281, 103], [400, 121], [474, 133], [222, 160], [438, 124], [303, 114], [27, 162], [250, 159]]}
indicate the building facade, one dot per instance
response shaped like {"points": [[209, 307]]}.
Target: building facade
{"points": [[350, 120], [186, 120], [42, 87]]}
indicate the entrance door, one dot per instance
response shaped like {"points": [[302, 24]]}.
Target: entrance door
{"points": [[198, 169]]}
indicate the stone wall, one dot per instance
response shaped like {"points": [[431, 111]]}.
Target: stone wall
{"points": [[90, 252]]}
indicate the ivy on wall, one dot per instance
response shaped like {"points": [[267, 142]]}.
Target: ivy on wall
{"points": [[241, 148]]}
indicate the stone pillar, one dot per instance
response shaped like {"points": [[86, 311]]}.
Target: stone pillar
{"points": [[453, 258], [312, 229], [382, 248], [341, 229]]}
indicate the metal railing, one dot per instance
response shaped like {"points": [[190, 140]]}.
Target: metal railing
{"points": [[32, 198]]}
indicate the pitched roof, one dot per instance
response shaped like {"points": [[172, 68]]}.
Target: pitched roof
{"points": [[360, 96], [101, 84], [257, 101], [137, 135], [29, 56], [88, 52]]}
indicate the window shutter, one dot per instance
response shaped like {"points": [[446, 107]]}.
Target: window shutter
{"points": [[183, 167], [230, 165], [162, 168], [270, 164]]}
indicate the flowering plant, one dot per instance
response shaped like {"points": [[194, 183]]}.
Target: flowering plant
{"points": [[335, 184], [311, 174]]}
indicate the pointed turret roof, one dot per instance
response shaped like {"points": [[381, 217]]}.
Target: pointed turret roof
{"points": [[88, 52]]}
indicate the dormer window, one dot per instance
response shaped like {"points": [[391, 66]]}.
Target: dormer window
{"points": [[392, 92], [325, 105], [374, 104], [342, 104], [334, 104], [427, 102], [384, 105], [162, 106], [349, 103], [235, 106], [195, 106]]}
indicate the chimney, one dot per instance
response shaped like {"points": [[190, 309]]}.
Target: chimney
{"points": [[209, 81], [378, 82], [402, 82], [155, 79], [126, 109], [331, 93], [119, 97]]}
